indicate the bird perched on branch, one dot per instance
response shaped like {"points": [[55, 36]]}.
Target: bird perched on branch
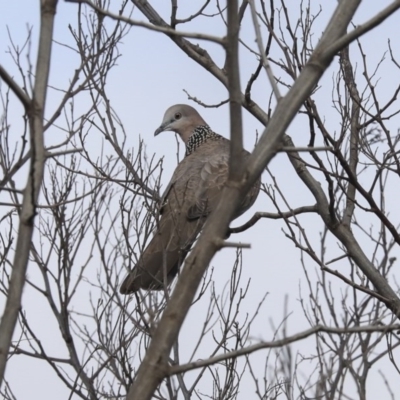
{"points": [[190, 197]]}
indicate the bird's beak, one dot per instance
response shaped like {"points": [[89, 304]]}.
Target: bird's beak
{"points": [[162, 128]]}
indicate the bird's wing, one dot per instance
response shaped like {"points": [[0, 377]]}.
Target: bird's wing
{"points": [[212, 177]]}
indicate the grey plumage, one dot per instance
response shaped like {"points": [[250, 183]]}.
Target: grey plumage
{"points": [[191, 195]]}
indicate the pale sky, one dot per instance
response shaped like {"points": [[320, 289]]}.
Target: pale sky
{"points": [[150, 76]]}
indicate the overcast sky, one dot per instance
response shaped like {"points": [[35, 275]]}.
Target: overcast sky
{"points": [[151, 76]]}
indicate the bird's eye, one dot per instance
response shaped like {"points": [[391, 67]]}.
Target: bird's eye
{"points": [[178, 116]]}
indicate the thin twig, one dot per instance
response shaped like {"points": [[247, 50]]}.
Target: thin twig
{"points": [[266, 64]]}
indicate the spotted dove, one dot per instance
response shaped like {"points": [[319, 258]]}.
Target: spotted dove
{"points": [[191, 195]]}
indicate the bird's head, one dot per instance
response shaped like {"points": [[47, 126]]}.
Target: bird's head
{"points": [[181, 119]]}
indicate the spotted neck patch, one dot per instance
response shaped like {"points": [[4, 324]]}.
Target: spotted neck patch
{"points": [[199, 136]]}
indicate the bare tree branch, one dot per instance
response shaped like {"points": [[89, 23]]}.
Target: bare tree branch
{"points": [[280, 343], [22, 96], [153, 367], [32, 190], [166, 30], [364, 28], [258, 215]]}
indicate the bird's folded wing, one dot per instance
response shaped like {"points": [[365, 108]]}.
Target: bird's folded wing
{"points": [[212, 177]]}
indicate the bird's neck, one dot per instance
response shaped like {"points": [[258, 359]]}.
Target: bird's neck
{"points": [[199, 136]]}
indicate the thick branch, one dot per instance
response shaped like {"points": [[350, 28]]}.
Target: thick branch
{"points": [[22, 96], [364, 28], [354, 132], [35, 178], [235, 106]]}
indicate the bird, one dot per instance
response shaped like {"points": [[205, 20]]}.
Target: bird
{"points": [[191, 195]]}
